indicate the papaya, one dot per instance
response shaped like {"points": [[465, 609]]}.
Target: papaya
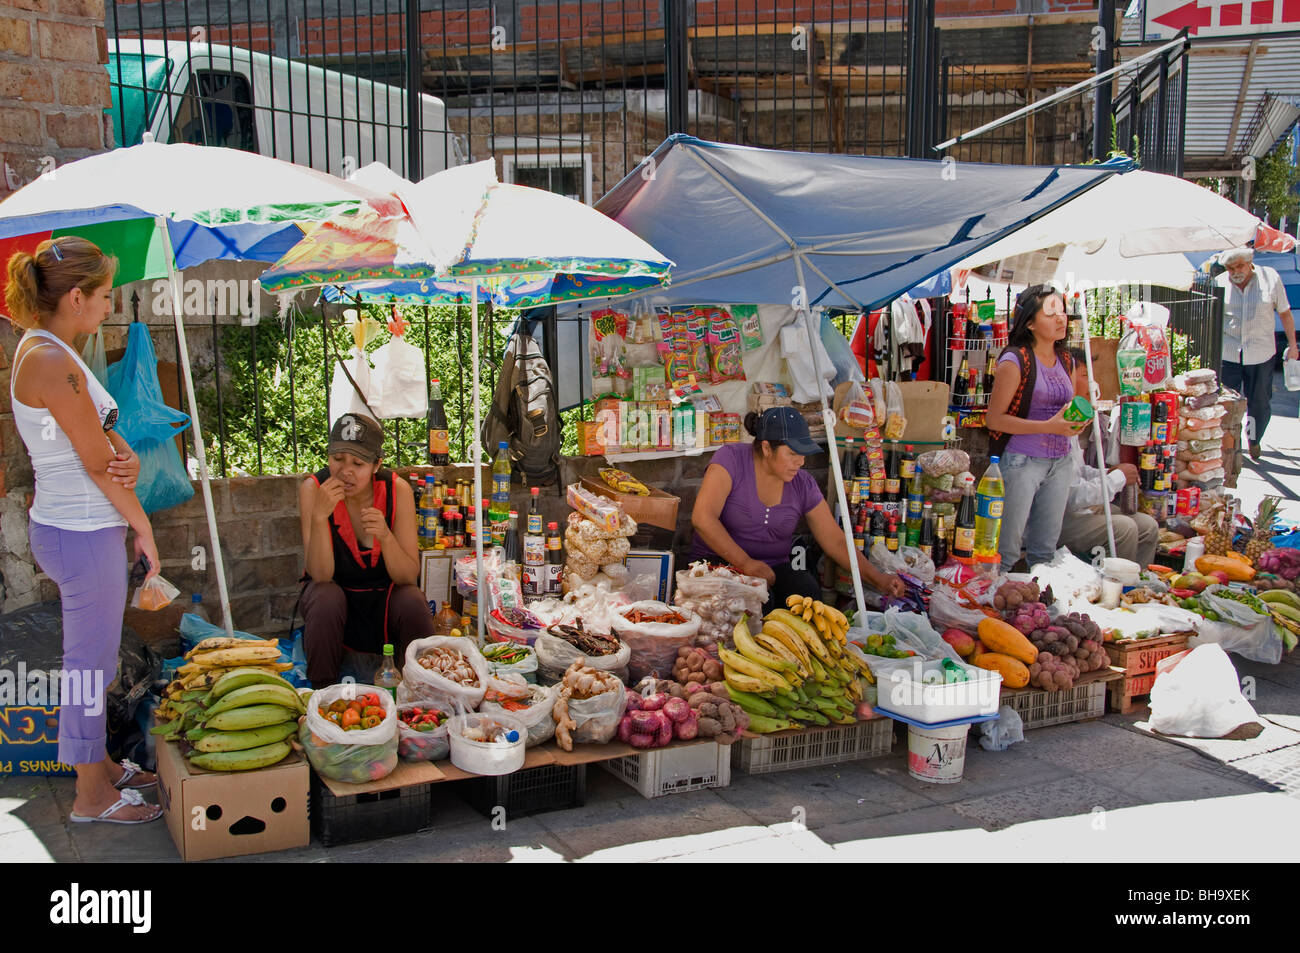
{"points": [[1003, 638], [1014, 673], [1237, 570]]}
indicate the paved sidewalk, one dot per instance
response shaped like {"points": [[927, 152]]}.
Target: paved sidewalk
{"points": [[1089, 791]]}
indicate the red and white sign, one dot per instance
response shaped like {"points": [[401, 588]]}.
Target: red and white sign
{"points": [[1219, 18], [1268, 238]]}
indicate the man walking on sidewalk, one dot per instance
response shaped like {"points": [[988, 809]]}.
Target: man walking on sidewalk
{"points": [[1251, 294]]}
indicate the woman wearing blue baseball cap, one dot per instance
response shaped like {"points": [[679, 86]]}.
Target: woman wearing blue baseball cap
{"points": [[750, 502]]}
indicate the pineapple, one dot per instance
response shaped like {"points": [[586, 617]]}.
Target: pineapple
{"points": [[1218, 537], [1261, 541]]}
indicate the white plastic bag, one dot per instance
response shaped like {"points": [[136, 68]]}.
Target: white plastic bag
{"points": [[597, 717], [367, 754], [1004, 731], [1069, 577], [96, 359], [419, 684], [1291, 374], [536, 717], [1239, 629], [554, 655], [946, 612], [344, 398], [1200, 696], [398, 382], [720, 597], [653, 645]]}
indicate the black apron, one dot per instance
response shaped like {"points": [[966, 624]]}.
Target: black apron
{"points": [[360, 573]]}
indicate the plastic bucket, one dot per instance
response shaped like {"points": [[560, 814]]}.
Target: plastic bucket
{"points": [[937, 755]]}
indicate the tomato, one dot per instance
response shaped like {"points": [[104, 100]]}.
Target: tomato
{"points": [[339, 705], [373, 710], [372, 721], [351, 717]]}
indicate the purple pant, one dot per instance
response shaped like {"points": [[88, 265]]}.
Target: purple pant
{"points": [[90, 569]]}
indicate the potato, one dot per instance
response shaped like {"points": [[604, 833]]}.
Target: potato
{"points": [[710, 727], [712, 670], [684, 651]]}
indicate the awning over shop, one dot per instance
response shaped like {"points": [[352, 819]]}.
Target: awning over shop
{"points": [[740, 222]]}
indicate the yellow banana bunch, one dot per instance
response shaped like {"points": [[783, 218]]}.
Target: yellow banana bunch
{"points": [[829, 622]]}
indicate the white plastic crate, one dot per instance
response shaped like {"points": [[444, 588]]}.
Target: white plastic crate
{"points": [[1038, 709], [674, 770], [832, 744]]}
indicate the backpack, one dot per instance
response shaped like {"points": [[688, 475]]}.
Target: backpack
{"points": [[1019, 406], [525, 413]]}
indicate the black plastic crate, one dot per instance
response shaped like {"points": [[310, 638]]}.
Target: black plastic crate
{"points": [[551, 787], [362, 817]]}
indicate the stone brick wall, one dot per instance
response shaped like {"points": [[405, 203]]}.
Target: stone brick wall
{"points": [[53, 86]]}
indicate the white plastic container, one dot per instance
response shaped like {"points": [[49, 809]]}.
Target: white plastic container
{"points": [[480, 757], [901, 691], [1195, 550], [937, 755], [1291, 374]]}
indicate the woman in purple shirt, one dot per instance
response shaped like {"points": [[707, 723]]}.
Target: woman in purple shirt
{"points": [[1028, 429], [750, 502]]}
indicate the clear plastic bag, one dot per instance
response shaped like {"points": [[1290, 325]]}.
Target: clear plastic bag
{"points": [[525, 668], [154, 594], [421, 684], [1004, 731], [536, 717], [1206, 476], [1192, 456], [94, 356], [1208, 399], [909, 559], [653, 645], [399, 381], [895, 421], [1202, 445], [721, 598], [858, 410], [940, 462], [416, 745], [947, 612], [1239, 629], [344, 398], [352, 756]]}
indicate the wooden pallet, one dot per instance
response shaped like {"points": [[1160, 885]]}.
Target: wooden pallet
{"points": [[1136, 659]]}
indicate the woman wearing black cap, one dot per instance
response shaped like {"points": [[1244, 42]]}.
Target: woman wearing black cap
{"points": [[358, 533], [750, 502]]}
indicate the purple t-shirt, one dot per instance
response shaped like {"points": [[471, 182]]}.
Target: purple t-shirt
{"points": [[1053, 389], [764, 532]]}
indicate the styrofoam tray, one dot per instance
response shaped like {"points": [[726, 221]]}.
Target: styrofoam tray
{"points": [[904, 696]]}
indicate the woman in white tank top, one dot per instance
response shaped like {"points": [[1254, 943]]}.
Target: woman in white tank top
{"points": [[84, 502]]}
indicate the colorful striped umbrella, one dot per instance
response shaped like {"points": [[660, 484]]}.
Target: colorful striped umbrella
{"points": [[160, 208]]}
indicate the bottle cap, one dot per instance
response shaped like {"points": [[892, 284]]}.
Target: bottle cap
{"points": [[535, 490], [502, 444], [197, 597], [512, 736], [553, 526], [994, 459], [388, 648]]}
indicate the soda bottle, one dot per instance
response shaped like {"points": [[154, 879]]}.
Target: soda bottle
{"points": [[900, 536], [988, 510], [939, 554], [915, 499], [963, 541], [926, 538], [439, 451], [471, 526], [196, 607], [879, 526], [388, 677], [500, 507], [1147, 466], [849, 471], [907, 464], [424, 515]]}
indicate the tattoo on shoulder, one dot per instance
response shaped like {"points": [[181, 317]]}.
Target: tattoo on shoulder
{"points": [[76, 386]]}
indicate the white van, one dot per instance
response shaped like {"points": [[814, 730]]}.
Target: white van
{"points": [[226, 96]]}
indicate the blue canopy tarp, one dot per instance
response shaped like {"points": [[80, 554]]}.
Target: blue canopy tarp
{"points": [[740, 222]]}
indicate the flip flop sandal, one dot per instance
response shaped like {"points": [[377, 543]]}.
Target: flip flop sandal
{"points": [[129, 770], [131, 797]]}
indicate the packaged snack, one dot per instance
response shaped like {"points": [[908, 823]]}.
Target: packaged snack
{"points": [[607, 340], [895, 422], [751, 328], [600, 510], [591, 439], [649, 383], [726, 353], [1147, 322]]}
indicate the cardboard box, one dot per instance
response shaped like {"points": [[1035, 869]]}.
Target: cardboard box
{"points": [[211, 814], [652, 561], [657, 509], [925, 404], [1104, 369]]}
